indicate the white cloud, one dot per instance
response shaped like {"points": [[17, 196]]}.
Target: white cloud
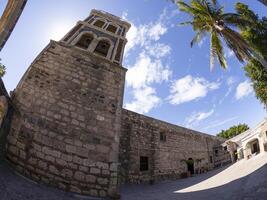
{"points": [[124, 15], [190, 88], [158, 50], [219, 123], [156, 31], [151, 66], [145, 99], [195, 118], [147, 71], [144, 35], [243, 90], [230, 83]]}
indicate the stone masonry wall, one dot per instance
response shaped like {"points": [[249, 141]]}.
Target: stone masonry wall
{"points": [[140, 136], [65, 130]]}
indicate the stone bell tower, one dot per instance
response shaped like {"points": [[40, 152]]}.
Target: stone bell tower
{"points": [[102, 34], [66, 126]]}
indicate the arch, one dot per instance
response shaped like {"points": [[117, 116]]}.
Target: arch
{"points": [[252, 147], [190, 165], [84, 39], [104, 47], [111, 27], [99, 22]]}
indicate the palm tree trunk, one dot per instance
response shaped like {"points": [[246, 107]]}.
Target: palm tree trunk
{"points": [[263, 1]]}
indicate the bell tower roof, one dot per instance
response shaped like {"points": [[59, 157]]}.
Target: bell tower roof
{"points": [[101, 33]]}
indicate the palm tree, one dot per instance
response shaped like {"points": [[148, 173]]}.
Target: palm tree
{"points": [[208, 18]]}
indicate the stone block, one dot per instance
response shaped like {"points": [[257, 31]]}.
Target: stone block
{"points": [[77, 160], [102, 165], [79, 176], [94, 171], [61, 162], [90, 178], [66, 157], [70, 148], [67, 173], [102, 181], [53, 170], [42, 165], [83, 152]]}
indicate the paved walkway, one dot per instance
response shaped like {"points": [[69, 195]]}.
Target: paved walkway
{"points": [[245, 180]]}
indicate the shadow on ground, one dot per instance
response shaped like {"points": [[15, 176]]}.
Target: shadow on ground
{"points": [[250, 187]]}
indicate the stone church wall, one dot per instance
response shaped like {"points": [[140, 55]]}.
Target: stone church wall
{"points": [[65, 130], [166, 146]]}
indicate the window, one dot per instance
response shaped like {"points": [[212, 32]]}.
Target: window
{"points": [[143, 163], [225, 148], [112, 28], [163, 137], [99, 23], [216, 152], [85, 41], [102, 48], [211, 160]]}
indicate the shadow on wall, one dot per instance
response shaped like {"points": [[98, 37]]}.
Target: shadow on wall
{"points": [[238, 189]]}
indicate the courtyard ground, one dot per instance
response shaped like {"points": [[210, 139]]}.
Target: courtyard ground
{"points": [[245, 180]]}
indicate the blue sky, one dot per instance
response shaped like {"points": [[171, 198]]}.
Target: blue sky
{"points": [[166, 79]]}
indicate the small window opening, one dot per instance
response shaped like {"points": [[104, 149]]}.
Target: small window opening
{"points": [[143, 163], [211, 160], [112, 28], [225, 148], [216, 152], [102, 48], [99, 23], [85, 41], [163, 137]]}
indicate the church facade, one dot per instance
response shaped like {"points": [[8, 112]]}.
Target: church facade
{"points": [[69, 128]]}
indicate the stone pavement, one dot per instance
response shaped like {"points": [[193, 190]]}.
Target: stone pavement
{"points": [[245, 180]]}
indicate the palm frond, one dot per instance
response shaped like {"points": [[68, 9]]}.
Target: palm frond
{"points": [[198, 37], [239, 46], [186, 23], [236, 20], [217, 50], [214, 2], [184, 7]]}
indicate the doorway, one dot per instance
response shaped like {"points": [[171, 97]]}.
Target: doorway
{"points": [[190, 166]]}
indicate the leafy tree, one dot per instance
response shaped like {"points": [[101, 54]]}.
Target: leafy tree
{"points": [[209, 18], [233, 131], [2, 69], [256, 34]]}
